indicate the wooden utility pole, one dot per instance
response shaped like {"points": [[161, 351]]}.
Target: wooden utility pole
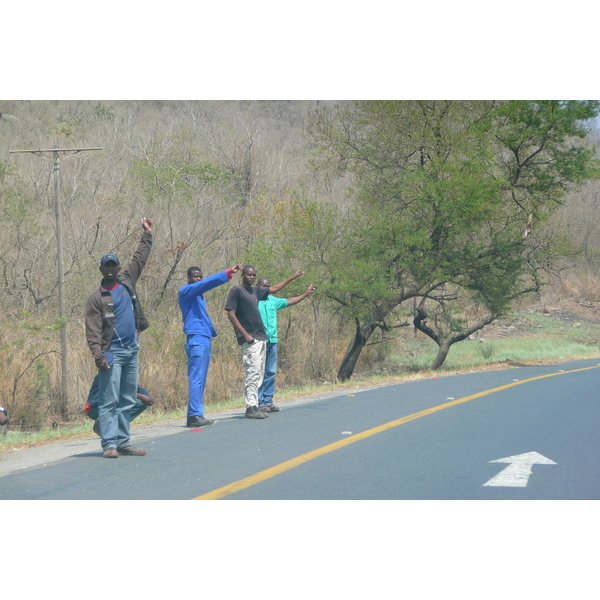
{"points": [[56, 153]]}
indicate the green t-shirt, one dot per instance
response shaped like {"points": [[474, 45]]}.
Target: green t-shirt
{"points": [[268, 312]]}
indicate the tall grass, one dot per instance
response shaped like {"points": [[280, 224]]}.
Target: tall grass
{"points": [[30, 389]]}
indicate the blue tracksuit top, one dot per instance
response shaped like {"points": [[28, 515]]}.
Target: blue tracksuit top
{"points": [[193, 305]]}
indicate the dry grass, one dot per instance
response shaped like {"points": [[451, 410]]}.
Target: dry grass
{"points": [[580, 282], [31, 389]]}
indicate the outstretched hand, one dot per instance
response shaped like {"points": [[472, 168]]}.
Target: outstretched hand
{"points": [[146, 399], [235, 268], [147, 225], [298, 273]]}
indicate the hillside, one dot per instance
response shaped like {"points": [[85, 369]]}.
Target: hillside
{"points": [[223, 181]]}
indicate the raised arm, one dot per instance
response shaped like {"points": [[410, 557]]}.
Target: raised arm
{"points": [[278, 286], [192, 290], [140, 256], [296, 299]]}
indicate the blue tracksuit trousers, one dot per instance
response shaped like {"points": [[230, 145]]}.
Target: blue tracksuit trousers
{"points": [[198, 349]]}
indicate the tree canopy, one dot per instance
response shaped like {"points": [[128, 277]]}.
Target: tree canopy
{"points": [[448, 201]]}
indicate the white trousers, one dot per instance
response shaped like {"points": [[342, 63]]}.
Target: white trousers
{"points": [[254, 356]]}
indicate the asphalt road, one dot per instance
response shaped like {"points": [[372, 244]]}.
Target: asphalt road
{"points": [[433, 439]]}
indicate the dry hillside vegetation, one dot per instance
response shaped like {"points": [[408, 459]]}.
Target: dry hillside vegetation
{"points": [[215, 177]]}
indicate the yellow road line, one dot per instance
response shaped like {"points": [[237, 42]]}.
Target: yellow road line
{"points": [[294, 462]]}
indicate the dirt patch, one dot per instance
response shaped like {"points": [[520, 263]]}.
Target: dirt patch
{"points": [[574, 312]]}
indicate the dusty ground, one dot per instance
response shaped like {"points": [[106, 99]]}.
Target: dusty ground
{"points": [[570, 309], [575, 312]]}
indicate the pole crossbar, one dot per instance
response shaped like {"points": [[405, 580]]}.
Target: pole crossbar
{"points": [[53, 150]]}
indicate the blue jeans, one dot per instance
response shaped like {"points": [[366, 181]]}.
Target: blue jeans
{"points": [[136, 411], [93, 396], [118, 394], [267, 389], [198, 349]]}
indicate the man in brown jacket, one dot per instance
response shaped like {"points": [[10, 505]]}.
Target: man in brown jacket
{"points": [[113, 320]]}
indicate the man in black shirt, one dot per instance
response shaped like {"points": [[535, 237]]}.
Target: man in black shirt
{"points": [[242, 311]]}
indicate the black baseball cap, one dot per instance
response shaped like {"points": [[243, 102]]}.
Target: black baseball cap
{"points": [[108, 257]]}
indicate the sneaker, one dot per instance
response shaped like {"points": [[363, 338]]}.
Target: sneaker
{"points": [[200, 421], [96, 428], [253, 412], [111, 452], [130, 451]]}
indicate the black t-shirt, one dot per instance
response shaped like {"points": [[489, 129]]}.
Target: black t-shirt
{"points": [[245, 303]]}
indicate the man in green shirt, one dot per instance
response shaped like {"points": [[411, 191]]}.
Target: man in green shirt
{"points": [[268, 311]]}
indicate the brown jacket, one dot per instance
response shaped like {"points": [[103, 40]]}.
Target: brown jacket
{"points": [[99, 315]]}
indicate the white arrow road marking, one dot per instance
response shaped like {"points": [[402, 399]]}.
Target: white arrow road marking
{"points": [[518, 471]]}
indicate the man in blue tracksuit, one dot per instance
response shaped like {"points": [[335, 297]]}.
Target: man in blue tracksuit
{"points": [[199, 332]]}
